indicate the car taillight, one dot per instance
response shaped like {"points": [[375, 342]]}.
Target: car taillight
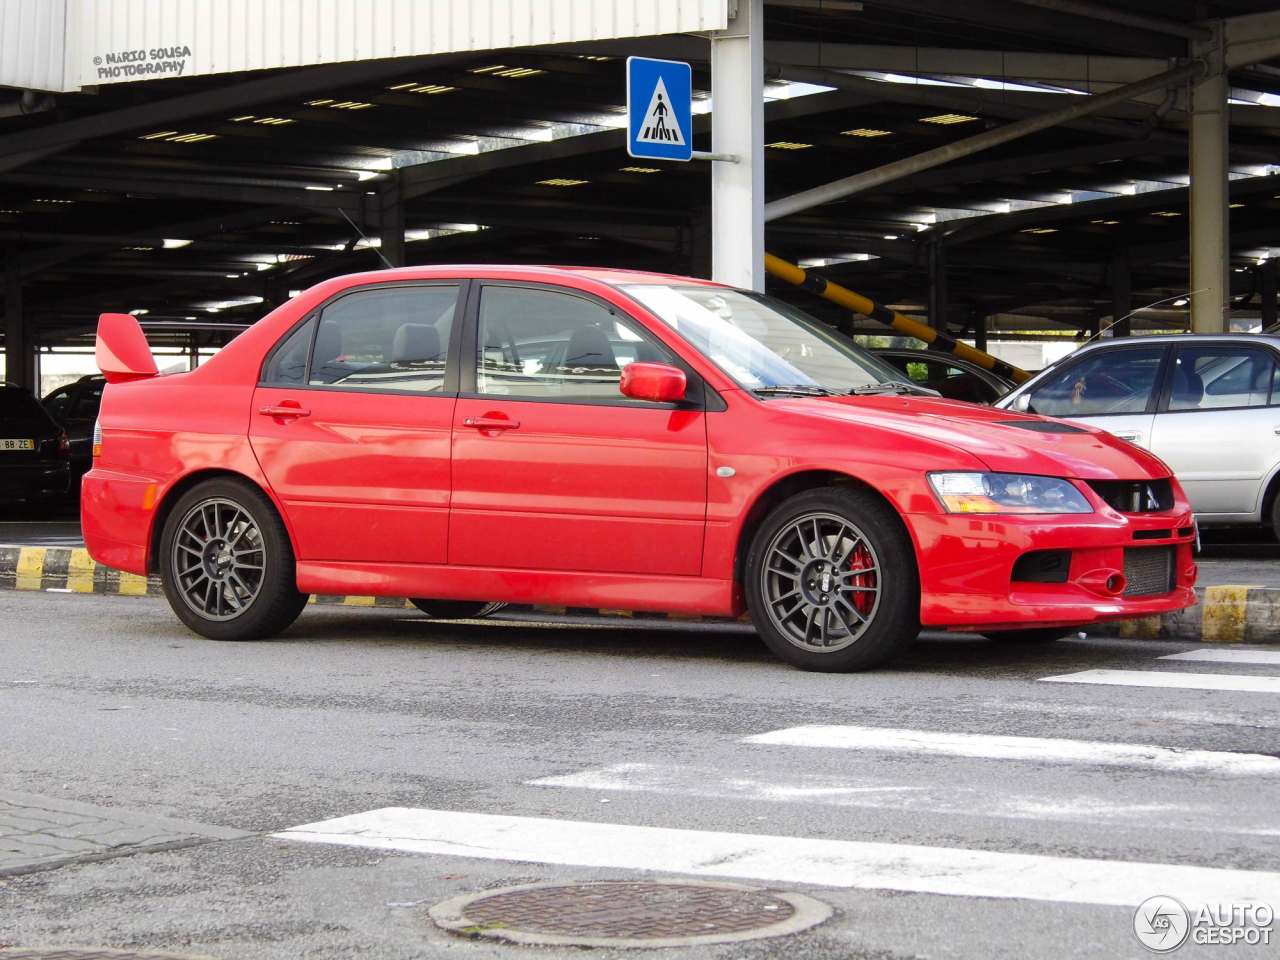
{"points": [[97, 439], [64, 446]]}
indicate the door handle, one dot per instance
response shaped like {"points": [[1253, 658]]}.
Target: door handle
{"points": [[283, 411], [1133, 436], [491, 423]]}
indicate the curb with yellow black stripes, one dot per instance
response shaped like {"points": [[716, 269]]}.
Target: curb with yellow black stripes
{"points": [[1223, 614], [72, 570]]}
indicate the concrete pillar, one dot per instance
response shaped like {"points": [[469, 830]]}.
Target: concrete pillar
{"points": [[19, 347], [1210, 233], [1120, 296], [979, 329], [391, 225], [937, 299], [737, 127], [1267, 292]]}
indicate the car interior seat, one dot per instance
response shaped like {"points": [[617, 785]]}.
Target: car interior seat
{"points": [[415, 344], [589, 347], [1188, 387]]}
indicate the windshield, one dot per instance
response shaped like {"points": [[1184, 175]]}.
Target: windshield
{"points": [[763, 343]]}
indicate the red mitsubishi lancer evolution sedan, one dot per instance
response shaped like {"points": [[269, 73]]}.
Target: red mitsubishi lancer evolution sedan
{"points": [[603, 438]]}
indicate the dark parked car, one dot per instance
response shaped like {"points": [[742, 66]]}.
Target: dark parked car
{"points": [[34, 452], [75, 409], [953, 377]]}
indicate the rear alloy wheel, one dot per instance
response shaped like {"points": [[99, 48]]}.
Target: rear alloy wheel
{"points": [[227, 563], [456, 609], [1031, 635], [832, 582]]}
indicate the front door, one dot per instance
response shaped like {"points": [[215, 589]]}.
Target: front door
{"points": [[1217, 428], [352, 425], [1113, 389], [553, 469]]}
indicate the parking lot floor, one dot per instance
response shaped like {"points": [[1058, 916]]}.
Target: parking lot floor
{"points": [[1044, 790]]}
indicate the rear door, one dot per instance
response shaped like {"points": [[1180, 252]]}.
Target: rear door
{"points": [[553, 469], [351, 424], [1115, 389], [1218, 423]]}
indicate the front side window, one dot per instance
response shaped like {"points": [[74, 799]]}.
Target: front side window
{"points": [[1110, 381], [547, 344], [1209, 377], [58, 403], [765, 345], [390, 339]]}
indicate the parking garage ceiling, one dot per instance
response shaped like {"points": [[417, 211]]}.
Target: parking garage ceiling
{"points": [[205, 200]]}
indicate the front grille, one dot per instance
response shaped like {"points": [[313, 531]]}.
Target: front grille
{"points": [[1135, 496], [1148, 570]]}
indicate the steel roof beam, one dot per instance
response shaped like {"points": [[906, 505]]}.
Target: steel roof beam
{"points": [[963, 231], [1011, 17], [954, 151], [1141, 21], [233, 97]]}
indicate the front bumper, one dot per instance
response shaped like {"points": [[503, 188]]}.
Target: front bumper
{"points": [[967, 567]]}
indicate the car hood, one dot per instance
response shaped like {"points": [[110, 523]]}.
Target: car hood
{"points": [[1007, 442]]}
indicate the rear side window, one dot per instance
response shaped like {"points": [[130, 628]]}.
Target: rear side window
{"points": [[20, 408], [1110, 381], [1214, 377], [389, 339], [88, 401], [289, 364]]}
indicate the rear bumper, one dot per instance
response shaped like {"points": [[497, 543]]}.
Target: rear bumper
{"points": [[967, 568], [24, 481], [116, 511]]}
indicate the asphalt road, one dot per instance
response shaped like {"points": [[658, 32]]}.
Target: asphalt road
{"points": [[107, 701]]}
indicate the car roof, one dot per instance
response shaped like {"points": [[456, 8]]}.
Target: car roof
{"points": [[1117, 342], [482, 271]]}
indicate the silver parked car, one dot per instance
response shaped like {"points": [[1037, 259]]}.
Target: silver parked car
{"points": [[1208, 405]]}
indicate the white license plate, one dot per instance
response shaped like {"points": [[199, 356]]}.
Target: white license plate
{"points": [[17, 444]]}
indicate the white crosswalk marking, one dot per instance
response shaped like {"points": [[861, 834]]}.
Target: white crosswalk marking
{"points": [[1228, 656], [834, 863], [1040, 749], [1175, 681], [877, 792]]}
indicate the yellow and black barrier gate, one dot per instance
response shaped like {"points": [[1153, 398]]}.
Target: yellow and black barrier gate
{"points": [[882, 314]]}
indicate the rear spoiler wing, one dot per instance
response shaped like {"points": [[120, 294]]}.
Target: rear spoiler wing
{"points": [[121, 351]]}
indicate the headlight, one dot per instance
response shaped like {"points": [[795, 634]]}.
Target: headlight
{"points": [[1007, 493]]}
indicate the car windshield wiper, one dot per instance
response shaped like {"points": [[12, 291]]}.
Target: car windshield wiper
{"points": [[793, 390], [892, 386]]}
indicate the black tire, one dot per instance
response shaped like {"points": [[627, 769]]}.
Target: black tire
{"points": [[1030, 635], [227, 563], [455, 609], [863, 619]]}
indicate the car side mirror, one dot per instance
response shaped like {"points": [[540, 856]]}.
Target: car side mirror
{"points": [[659, 382], [1023, 403]]}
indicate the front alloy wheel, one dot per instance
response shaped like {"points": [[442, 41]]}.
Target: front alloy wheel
{"points": [[832, 582]]}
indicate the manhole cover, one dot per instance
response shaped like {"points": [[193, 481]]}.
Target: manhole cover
{"points": [[90, 953], [664, 913]]}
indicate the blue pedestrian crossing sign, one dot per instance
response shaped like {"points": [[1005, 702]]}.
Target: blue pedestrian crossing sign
{"points": [[659, 109]]}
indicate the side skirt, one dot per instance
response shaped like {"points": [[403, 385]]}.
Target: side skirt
{"points": [[622, 591]]}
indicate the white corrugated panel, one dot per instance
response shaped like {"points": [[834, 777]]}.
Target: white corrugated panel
{"points": [[111, 41], [31, 43]]}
